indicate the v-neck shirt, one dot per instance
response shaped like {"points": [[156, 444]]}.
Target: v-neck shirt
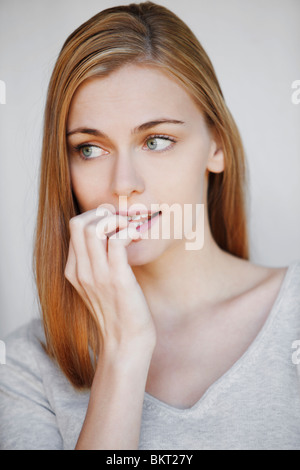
{"points": [[254, 405]]}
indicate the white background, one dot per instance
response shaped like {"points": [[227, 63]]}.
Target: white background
{"points": [[255, 48]]}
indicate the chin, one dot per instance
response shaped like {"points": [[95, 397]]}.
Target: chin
{"points": [[142, 252]]}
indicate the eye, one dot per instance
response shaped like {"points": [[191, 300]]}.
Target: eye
{"points": [[159, 143], [88, 151]]}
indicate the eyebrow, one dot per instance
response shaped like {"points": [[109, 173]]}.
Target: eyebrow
{"points": [[142, 127]]}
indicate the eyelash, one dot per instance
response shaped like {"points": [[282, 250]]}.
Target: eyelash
{"points": [[77, 148]]}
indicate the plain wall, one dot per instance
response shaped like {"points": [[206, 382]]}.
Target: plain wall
{"points": [[255, 48]]}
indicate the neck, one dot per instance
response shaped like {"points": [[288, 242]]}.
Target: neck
{"points": [[181, 282]]}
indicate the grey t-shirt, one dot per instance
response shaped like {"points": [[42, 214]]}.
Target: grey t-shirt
{"points": [[254, 405]]}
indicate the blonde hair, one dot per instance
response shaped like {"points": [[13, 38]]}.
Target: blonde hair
{"points": [[143, 33]]}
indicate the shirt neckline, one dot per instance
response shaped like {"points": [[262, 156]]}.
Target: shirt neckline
{"points": [[239, 362]]}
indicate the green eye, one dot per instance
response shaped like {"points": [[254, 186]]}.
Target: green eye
{"points": [[159, 143], [152, 144], [87, 152]]}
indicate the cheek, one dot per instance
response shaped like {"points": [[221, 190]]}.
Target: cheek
{"points": [[188, 193], [87, 190], [190, 176], [196, 170]]}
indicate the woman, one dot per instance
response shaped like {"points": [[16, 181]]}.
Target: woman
{"points": [[145, 344]]}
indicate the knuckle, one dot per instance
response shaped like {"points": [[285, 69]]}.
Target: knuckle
{"points": [[76, 223], [103, 224], [68, 272], [71, 278], [84, 279], [103, 211], [90, 231]]}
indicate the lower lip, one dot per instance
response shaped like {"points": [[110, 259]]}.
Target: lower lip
{"points": [[146, 225]]}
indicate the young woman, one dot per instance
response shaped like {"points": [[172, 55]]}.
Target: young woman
{"points": [[143, 343]]}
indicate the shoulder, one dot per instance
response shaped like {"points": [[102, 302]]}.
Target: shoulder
{"points": [[31, 332], [285, 281], [26, 362], [259, 288], [247, 275], [275, 288], [290, 287], [28, 367], [27, 419], [25, 343]]}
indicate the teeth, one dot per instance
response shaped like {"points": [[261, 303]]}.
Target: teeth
{"points": [[137, 217], [140, 218], [138, 222]]}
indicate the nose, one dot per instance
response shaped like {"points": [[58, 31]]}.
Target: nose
{"points": [[125, 179]]}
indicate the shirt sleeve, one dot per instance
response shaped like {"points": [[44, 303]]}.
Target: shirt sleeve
{"points": [[26, 419]]}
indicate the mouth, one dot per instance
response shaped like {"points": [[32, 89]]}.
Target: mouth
{"points": [[142, 219], [139, 218], [142, 222], [144, 226]]}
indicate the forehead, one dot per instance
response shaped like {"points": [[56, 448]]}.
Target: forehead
{"points": [[133, 92]]}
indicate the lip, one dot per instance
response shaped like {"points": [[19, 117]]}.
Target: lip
{"points": [[147, 225], [136, 212]]}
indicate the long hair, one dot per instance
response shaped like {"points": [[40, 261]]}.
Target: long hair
{"points": [[137, 33]]}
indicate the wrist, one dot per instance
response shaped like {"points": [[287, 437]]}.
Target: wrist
{"points": [[122, 373], [124, 349], [125, 356]]}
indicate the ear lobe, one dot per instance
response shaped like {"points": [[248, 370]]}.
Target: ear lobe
{"points": [[216, 161]]}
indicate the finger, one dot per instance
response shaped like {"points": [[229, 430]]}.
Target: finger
{"points": [[94, 246], [78, 226], [105, 210], [71, 273], [89, 300], [70, 268], [108, 225], [117, 253], [126, 234], [100, 230]]}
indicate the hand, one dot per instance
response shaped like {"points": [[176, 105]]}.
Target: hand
{"points": [[98, 268]]}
